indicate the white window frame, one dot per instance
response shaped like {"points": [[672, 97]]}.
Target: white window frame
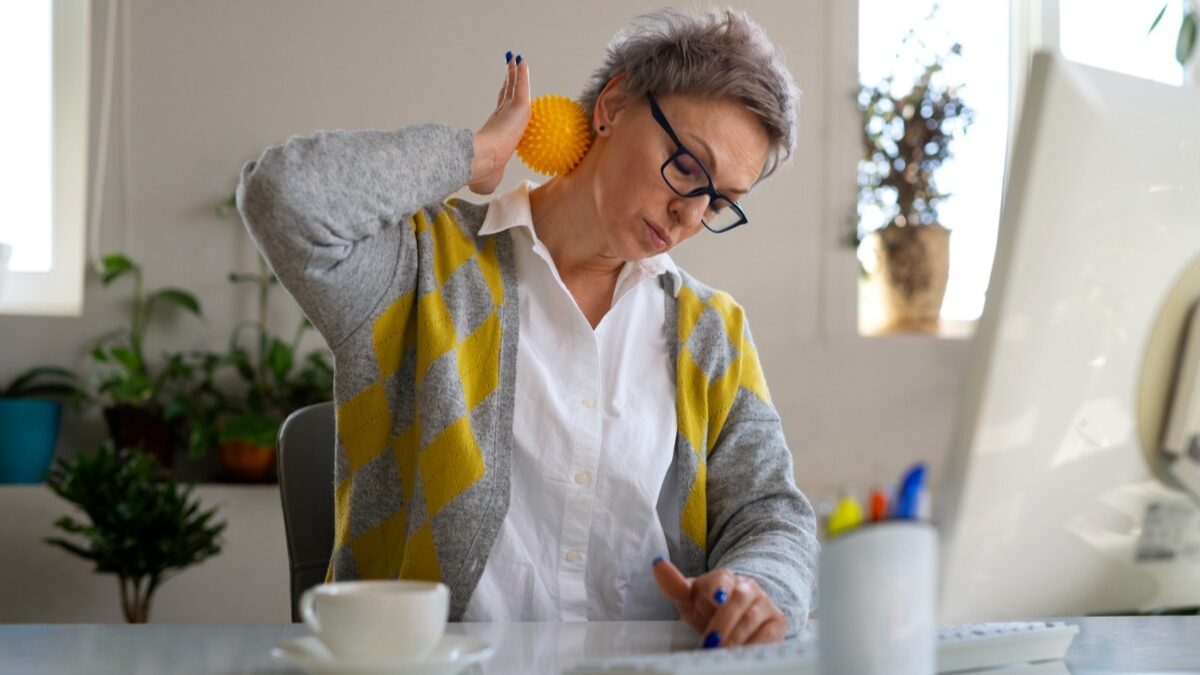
{"points": [[1033, 26], [59, 292]]}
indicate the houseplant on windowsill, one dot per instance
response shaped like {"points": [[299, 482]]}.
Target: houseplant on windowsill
{"points": [[29, 422], [138, 528], [907, 133], [135, 394]]}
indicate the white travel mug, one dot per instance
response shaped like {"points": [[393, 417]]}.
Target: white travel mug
{"points": [[878, 600]]}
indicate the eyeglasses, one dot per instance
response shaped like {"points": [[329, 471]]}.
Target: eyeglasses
{"points": [[687, 177]]}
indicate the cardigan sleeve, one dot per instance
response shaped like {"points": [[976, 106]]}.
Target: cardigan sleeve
{"points": [[328, 212], [760, 524]]}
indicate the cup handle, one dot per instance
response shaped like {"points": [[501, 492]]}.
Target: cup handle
{"points": [[307, 615]]}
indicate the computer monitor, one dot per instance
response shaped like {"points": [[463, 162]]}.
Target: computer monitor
{"points": [[1058, 498]]}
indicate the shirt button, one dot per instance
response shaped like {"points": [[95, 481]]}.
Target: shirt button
{"points": [[583, 477], [589, 402], [573, 555]]}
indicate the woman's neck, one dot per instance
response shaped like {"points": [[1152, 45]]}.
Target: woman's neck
{"points": [[567, 223]]}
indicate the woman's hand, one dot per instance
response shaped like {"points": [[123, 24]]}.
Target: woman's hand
{"points": [[729, 609], [497, 139]]}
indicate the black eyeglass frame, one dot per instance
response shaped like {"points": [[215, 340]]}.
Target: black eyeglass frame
{"points": [[710, 191]]}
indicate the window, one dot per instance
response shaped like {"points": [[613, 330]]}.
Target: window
{"points": [[997, 38], [43, 65], [974, 174]]}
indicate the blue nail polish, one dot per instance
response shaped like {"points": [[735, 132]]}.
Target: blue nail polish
{"points": [[518, 59], [720, 596], [508, 57], [713, 639], [656, 561]]}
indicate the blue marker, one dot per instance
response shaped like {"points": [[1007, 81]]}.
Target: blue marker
{"points": [[908, 497]]}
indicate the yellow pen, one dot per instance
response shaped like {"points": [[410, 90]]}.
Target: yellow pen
{"points": [[847, 515]]}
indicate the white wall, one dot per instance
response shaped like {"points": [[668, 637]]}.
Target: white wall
{"points": [[247, 582], [211, 84]]}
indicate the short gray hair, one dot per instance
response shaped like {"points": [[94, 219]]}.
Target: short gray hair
{"points": [[713, 52]]}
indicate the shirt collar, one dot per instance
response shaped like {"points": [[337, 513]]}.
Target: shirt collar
{"points": [[511, 209]]}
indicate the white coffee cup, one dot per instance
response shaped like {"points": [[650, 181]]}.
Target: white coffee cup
{"points": [[878, 601], [377, 620]]}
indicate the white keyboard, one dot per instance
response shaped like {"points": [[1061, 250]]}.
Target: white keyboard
{"points": [[961, 647]]}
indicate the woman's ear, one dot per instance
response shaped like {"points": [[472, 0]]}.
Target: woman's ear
{"points": [[612, 102]]}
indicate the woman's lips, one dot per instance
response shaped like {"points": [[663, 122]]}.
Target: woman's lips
{"points": [[656, 236]]}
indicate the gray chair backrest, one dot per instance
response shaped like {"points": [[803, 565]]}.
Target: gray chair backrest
{"points": [[306, 447]]}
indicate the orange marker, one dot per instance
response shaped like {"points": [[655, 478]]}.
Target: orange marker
{"points": [[877, 505]]}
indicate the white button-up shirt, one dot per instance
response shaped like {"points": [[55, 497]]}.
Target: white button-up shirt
{"points": [[593, 444]]}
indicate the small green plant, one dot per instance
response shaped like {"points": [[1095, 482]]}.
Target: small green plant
{"points": [[42, 382], [126, 376], [133, 392], [275, 380], [140, 529], [276, 384]]}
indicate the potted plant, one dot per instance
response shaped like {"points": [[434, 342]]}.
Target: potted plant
{"points": [[138, 528], [275, 380], [133, 393], [907, 133], [29, 422]]}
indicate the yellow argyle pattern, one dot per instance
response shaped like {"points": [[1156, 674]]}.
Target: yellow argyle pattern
{"points": [[453, 460], [402, 465], [709, 378]]}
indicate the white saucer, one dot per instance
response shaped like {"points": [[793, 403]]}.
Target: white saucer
{"points": [[451, 654]]}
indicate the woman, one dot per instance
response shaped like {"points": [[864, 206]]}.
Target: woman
{"points": [[534, 404]]}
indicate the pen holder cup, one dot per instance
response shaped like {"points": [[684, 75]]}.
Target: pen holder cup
{"points": [[878, 601]]}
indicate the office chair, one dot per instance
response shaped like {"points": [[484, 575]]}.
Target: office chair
{"points": [[306, 447]]}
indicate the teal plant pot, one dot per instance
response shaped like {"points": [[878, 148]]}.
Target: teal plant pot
{"points": [[28, 436]]}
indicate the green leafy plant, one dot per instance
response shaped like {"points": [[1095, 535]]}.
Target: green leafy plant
{"points": [[133, 391], [42, 382], [126, 376], [142, 530], [198, 398], [907, 134], [275, 380]]}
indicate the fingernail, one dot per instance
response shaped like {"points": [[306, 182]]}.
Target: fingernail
{"points": [[720, 596], [656, 561], [508, 57], [713, 639], [518, 59]]}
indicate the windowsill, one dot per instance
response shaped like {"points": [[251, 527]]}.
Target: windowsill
{"points": [[870, 320]]}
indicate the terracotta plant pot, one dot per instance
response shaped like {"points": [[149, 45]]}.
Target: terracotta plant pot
{"points": [[913, 269], [246, 461]]}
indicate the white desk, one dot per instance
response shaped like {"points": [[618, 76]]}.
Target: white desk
{"points": [[1105, 645]]}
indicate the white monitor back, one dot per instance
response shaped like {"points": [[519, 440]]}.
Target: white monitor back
{"points": [[1044, 503]]}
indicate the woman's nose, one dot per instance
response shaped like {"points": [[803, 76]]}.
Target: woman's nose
{"points": [[689, 211]]}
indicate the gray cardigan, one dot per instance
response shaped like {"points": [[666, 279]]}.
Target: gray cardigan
{"points": [[420, 313]]}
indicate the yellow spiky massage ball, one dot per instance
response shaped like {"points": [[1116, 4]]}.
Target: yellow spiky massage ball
{"points": [[557, 136]]}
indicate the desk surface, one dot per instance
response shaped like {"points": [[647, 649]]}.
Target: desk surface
{"points": [[1144, 645]]}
